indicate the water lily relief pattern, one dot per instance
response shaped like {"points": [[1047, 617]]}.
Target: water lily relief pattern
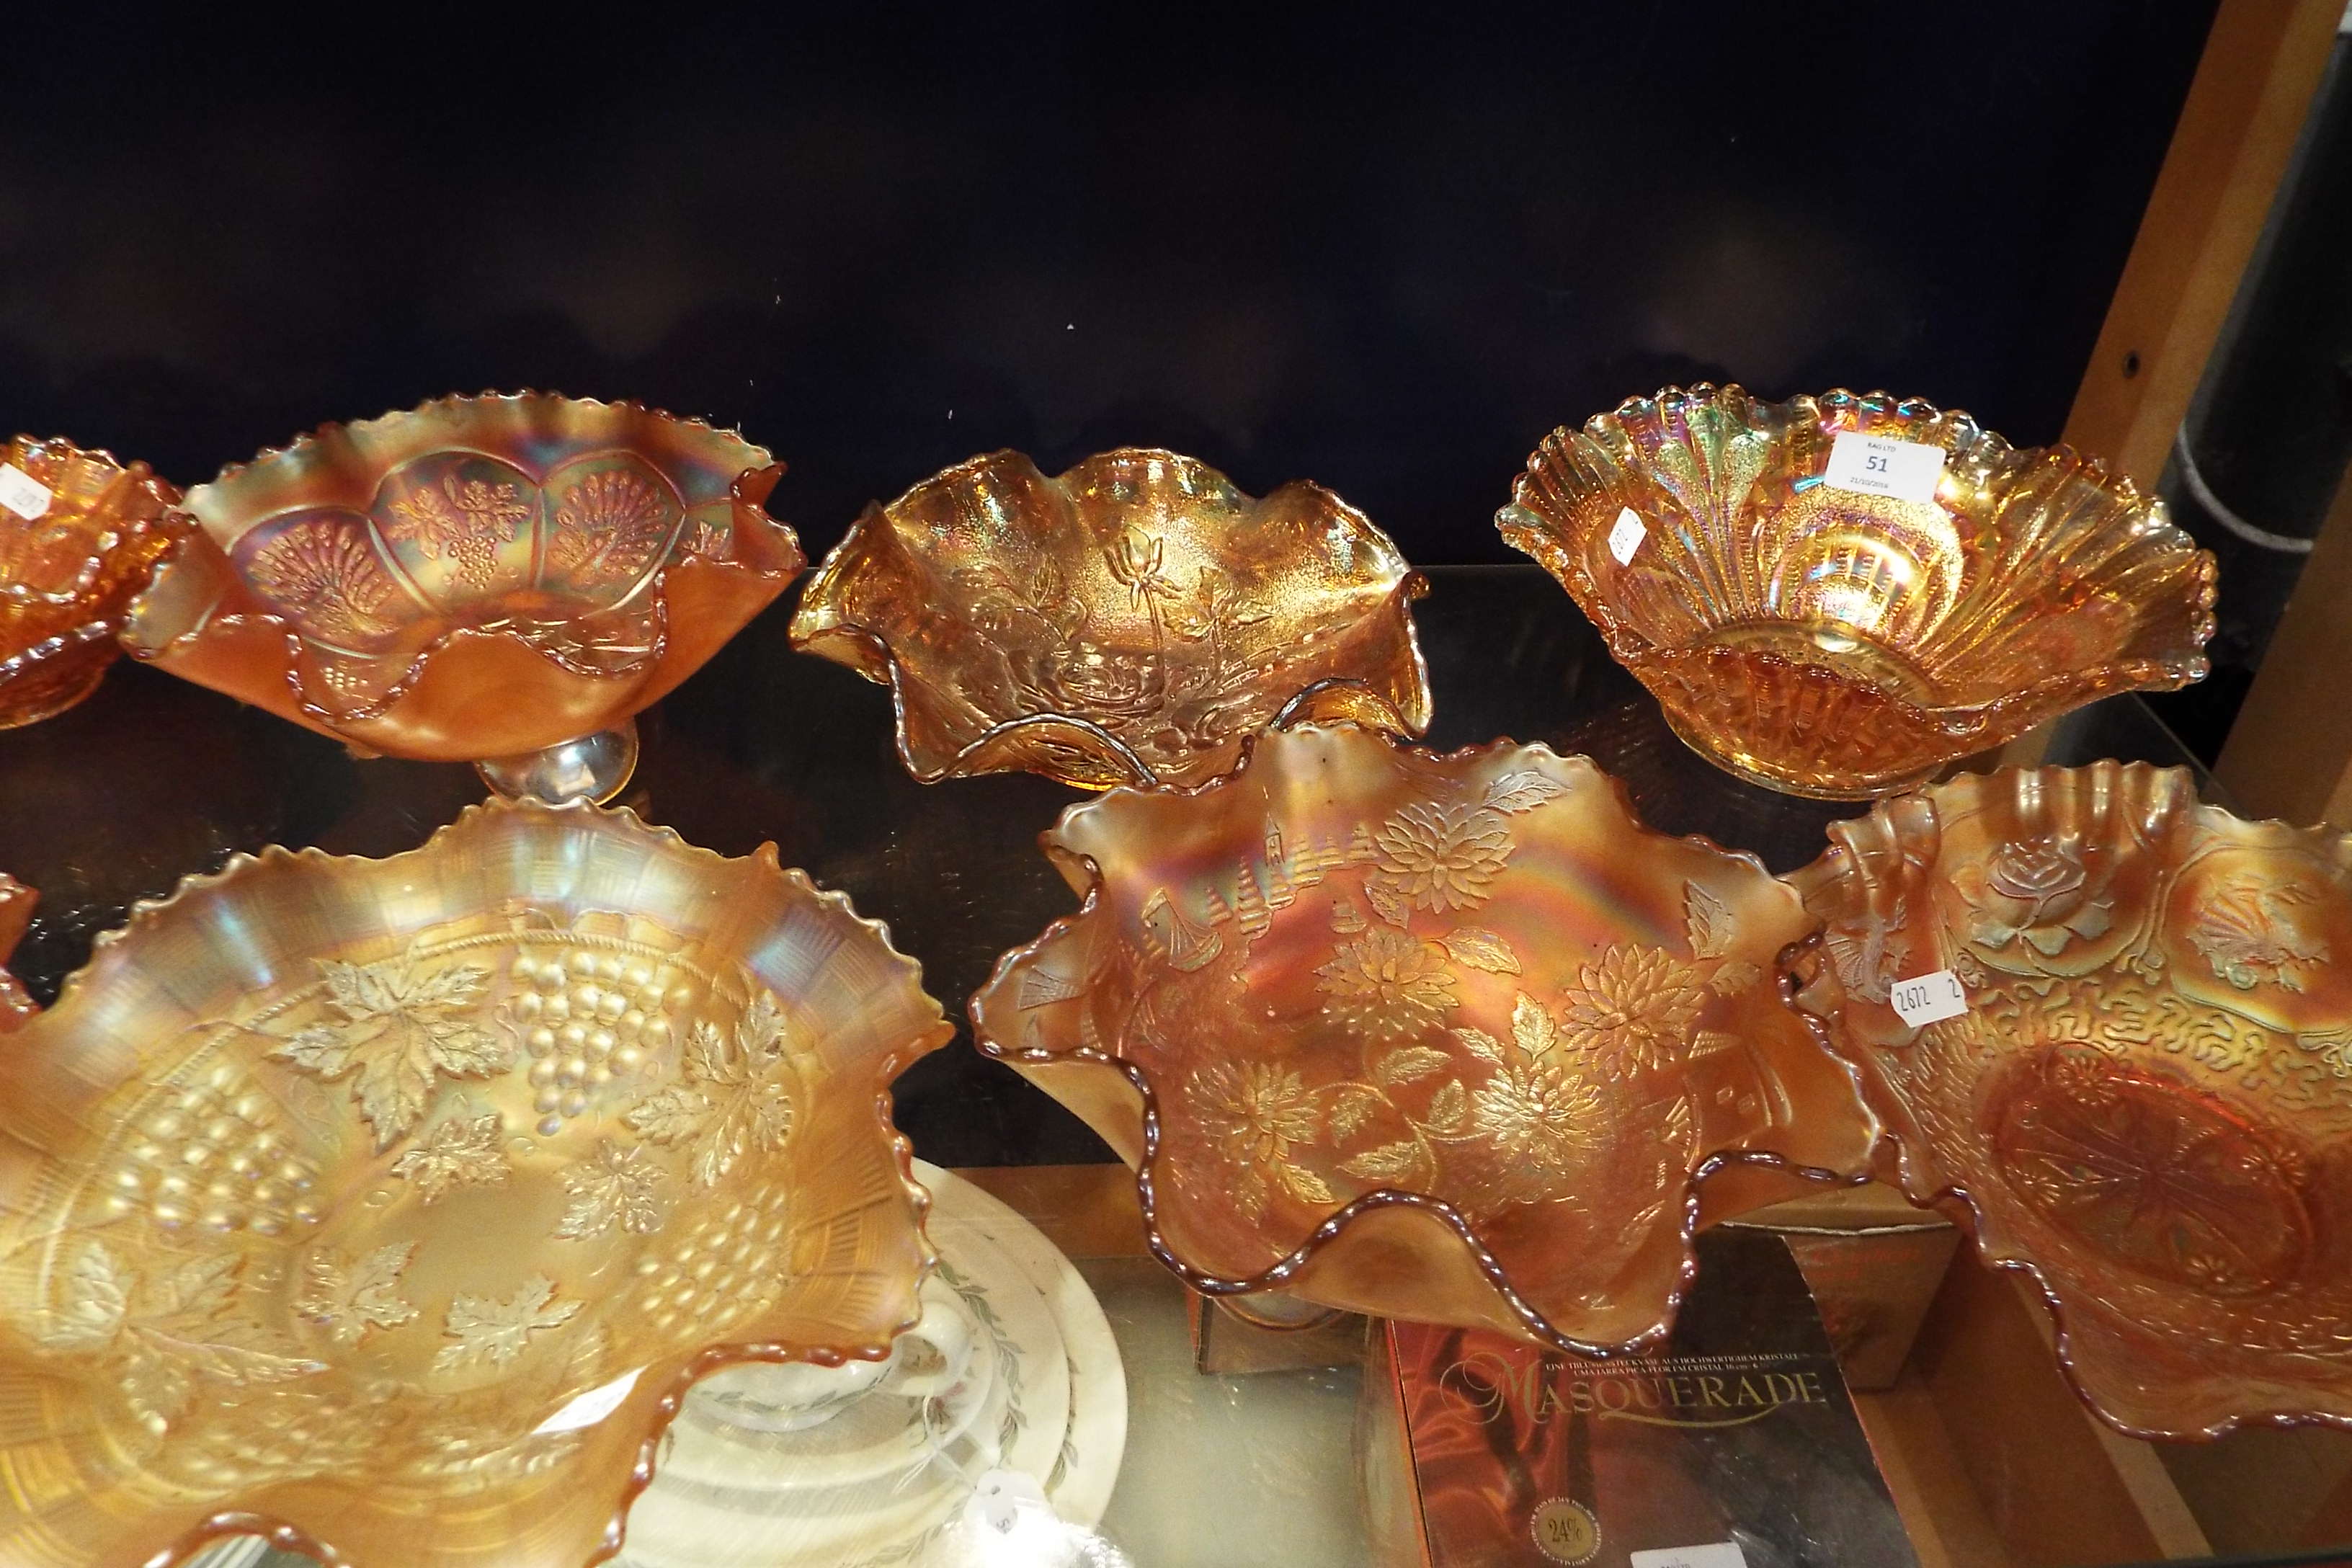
{"points": [[1474, 978], [2149, 1096]]}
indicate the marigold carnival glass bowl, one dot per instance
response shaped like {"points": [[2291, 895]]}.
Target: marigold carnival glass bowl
{"points": [[390, 1205], [1827, 641], [2147, 1104], [1447, 1037], [500, 579], [1127, 622], [69, 570]]}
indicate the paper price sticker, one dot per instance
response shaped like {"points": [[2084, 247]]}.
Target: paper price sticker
{"points": [[1874, 464], [1929, 999], [1716, 1554], [1006, 1502], [22, 494], [1627, 535]]}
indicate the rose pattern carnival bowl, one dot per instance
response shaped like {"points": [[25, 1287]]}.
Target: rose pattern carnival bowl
{"points": [[1448, 1038], [1830, 642], [69, 563], [1127, 622], [331, 1186], [2147, 1104], [500, 579]]}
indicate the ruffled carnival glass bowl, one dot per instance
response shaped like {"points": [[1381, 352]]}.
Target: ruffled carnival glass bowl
{"points": [[331, 1186], [1443, 1038], [500, 579], [2146, 1105], [1830, 642], [69, 570], [1127, 622]]}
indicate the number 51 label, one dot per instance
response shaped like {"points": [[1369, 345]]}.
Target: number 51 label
{"points": [[1875, 465], [1929, 999]]}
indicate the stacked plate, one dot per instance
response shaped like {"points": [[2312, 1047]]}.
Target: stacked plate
{"points": [[898, 1480]]}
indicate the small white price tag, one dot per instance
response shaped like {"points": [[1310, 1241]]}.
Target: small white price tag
{"points": [[1929, 999], [1716, 1554], [1875, 465], [1627, 535], [22, 494], [1003, 1501]]}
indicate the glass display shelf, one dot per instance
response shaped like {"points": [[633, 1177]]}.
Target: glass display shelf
{"points": [[152, 780]]}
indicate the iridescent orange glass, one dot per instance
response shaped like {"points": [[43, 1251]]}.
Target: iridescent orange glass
{"points": [[15, 914], [331, 1185], [1447, 1037], [1824, 641], [68, 574], [480, 578], [1127, 622], [2148, 1104]]}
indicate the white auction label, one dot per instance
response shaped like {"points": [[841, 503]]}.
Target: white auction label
{"points": [[1875, 465], [22, 494], [1714, 1554], [1006, 1501], [1626, 537], [1929, 999]]}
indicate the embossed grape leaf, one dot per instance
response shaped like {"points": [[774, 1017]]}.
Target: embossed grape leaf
{"points": [[1733, 977], [1480, 1043], [1708, 922], [349, 1297], [737, 1100], [487, 1328], [614, 1186], [1522, 791], [1387, 902], [1306, 1185], [1411, 1063], [1353, 1106], [1448, 1107], [1481, 949], [395, 1029], [1385, 1163], [97, 1300], [459, 1152]]}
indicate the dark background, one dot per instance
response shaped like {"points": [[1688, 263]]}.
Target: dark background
{"points": [[1387, 252]]}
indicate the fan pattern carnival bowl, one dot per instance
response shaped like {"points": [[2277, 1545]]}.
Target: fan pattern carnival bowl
{"points": [[1127, 622], [1446, 1037], [78, 534], [391, 1205], [1823, 640], [2146, 1103], [482, 579]]}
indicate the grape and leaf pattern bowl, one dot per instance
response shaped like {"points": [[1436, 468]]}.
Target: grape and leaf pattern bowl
{"points": [[1447, 1037], [1127, 622], [2148, 1104], [500, 579], [1827, 642], [67, 575], [392, 1205]]}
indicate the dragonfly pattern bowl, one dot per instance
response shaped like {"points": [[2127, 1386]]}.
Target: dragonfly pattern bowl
{"points": [[1127, 622], [2147, 1104], [1824, 641], [478, 579], [1447, 1037], [69, 570], [391, 1205]]}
